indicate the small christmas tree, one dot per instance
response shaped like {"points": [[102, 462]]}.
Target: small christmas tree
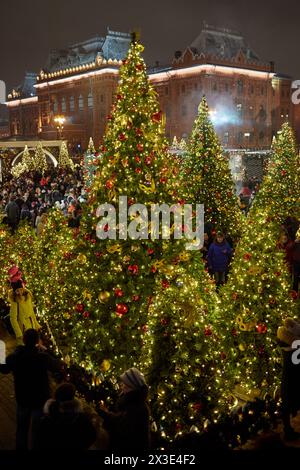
{"points": [[18, 169], [27, 159], [40, 161], [64, 160], [280, 190], [90, 164], [209, 177]]}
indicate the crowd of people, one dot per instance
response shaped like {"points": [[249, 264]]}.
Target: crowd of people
{"points": [[28, 198], [56, 419]]}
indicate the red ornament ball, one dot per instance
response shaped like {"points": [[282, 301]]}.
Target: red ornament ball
{"points": [[121, 309], [261, 328], [122, 136], [133, 268], [247, 256], [165, 283], [86, 314], [119, 292], [79, 308], [156, 117], [207, 332], [109, 184]]}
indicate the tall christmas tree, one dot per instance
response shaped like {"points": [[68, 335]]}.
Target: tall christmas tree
{"points": [[255, 300], [182, 356], [112, 280], [64, 160], [40, 160], [209, 177], [280, 190]]}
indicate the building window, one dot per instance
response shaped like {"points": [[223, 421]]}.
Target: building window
{"points": [[226, 87], [72, 103], [90, 100], [226, 137], [261, 136], [251, 90], [63, 105], [183, 110], [80, 102], [288, 93], [240, 87], [195, 86], [166, 90], [240, 138], [55, 106], [239, 109], [262, 90], [182, 88], [214, 87]]}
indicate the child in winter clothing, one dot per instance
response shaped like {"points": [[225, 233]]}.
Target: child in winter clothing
{"points": [[218, 258]]}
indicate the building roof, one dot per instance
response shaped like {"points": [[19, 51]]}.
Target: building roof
{"points": [[26, 88], [113, 46], [222, 42], [220, 46]]}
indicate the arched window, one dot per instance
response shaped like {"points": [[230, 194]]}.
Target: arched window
{"points": [[72, 103], [55, 106], [240, 87], [90, 100], [63, 105], [80, 102]]}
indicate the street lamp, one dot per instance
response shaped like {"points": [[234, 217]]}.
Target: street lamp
{"points": [[59, 121]]}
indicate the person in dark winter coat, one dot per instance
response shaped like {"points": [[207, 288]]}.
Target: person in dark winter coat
{"points": [[30, 366], [13, 213], [128, 427], [25, 213], [218, 258], [64, 425]]}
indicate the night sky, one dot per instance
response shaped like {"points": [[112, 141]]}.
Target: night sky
{"points": [[29, 29]]}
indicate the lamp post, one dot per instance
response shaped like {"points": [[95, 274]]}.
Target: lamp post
{"points": [[59, 121]]}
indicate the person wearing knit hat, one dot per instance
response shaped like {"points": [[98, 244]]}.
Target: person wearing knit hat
{"points": [[133, 379], [290, 381], [128, 427]]}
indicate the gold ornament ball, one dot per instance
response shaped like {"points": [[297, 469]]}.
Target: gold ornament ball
{"points": [[81, 259], [104, 296], [105, 365]]}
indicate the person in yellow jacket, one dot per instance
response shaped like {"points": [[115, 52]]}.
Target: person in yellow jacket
{"points": [[22, 316]]}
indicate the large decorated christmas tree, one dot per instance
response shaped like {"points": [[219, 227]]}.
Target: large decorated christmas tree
{"points": [[209, 179], [112, 279], [182, 359], [255, 300]]}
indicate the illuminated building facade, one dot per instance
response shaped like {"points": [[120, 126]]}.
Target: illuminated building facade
{"points": [[248, 100]]}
